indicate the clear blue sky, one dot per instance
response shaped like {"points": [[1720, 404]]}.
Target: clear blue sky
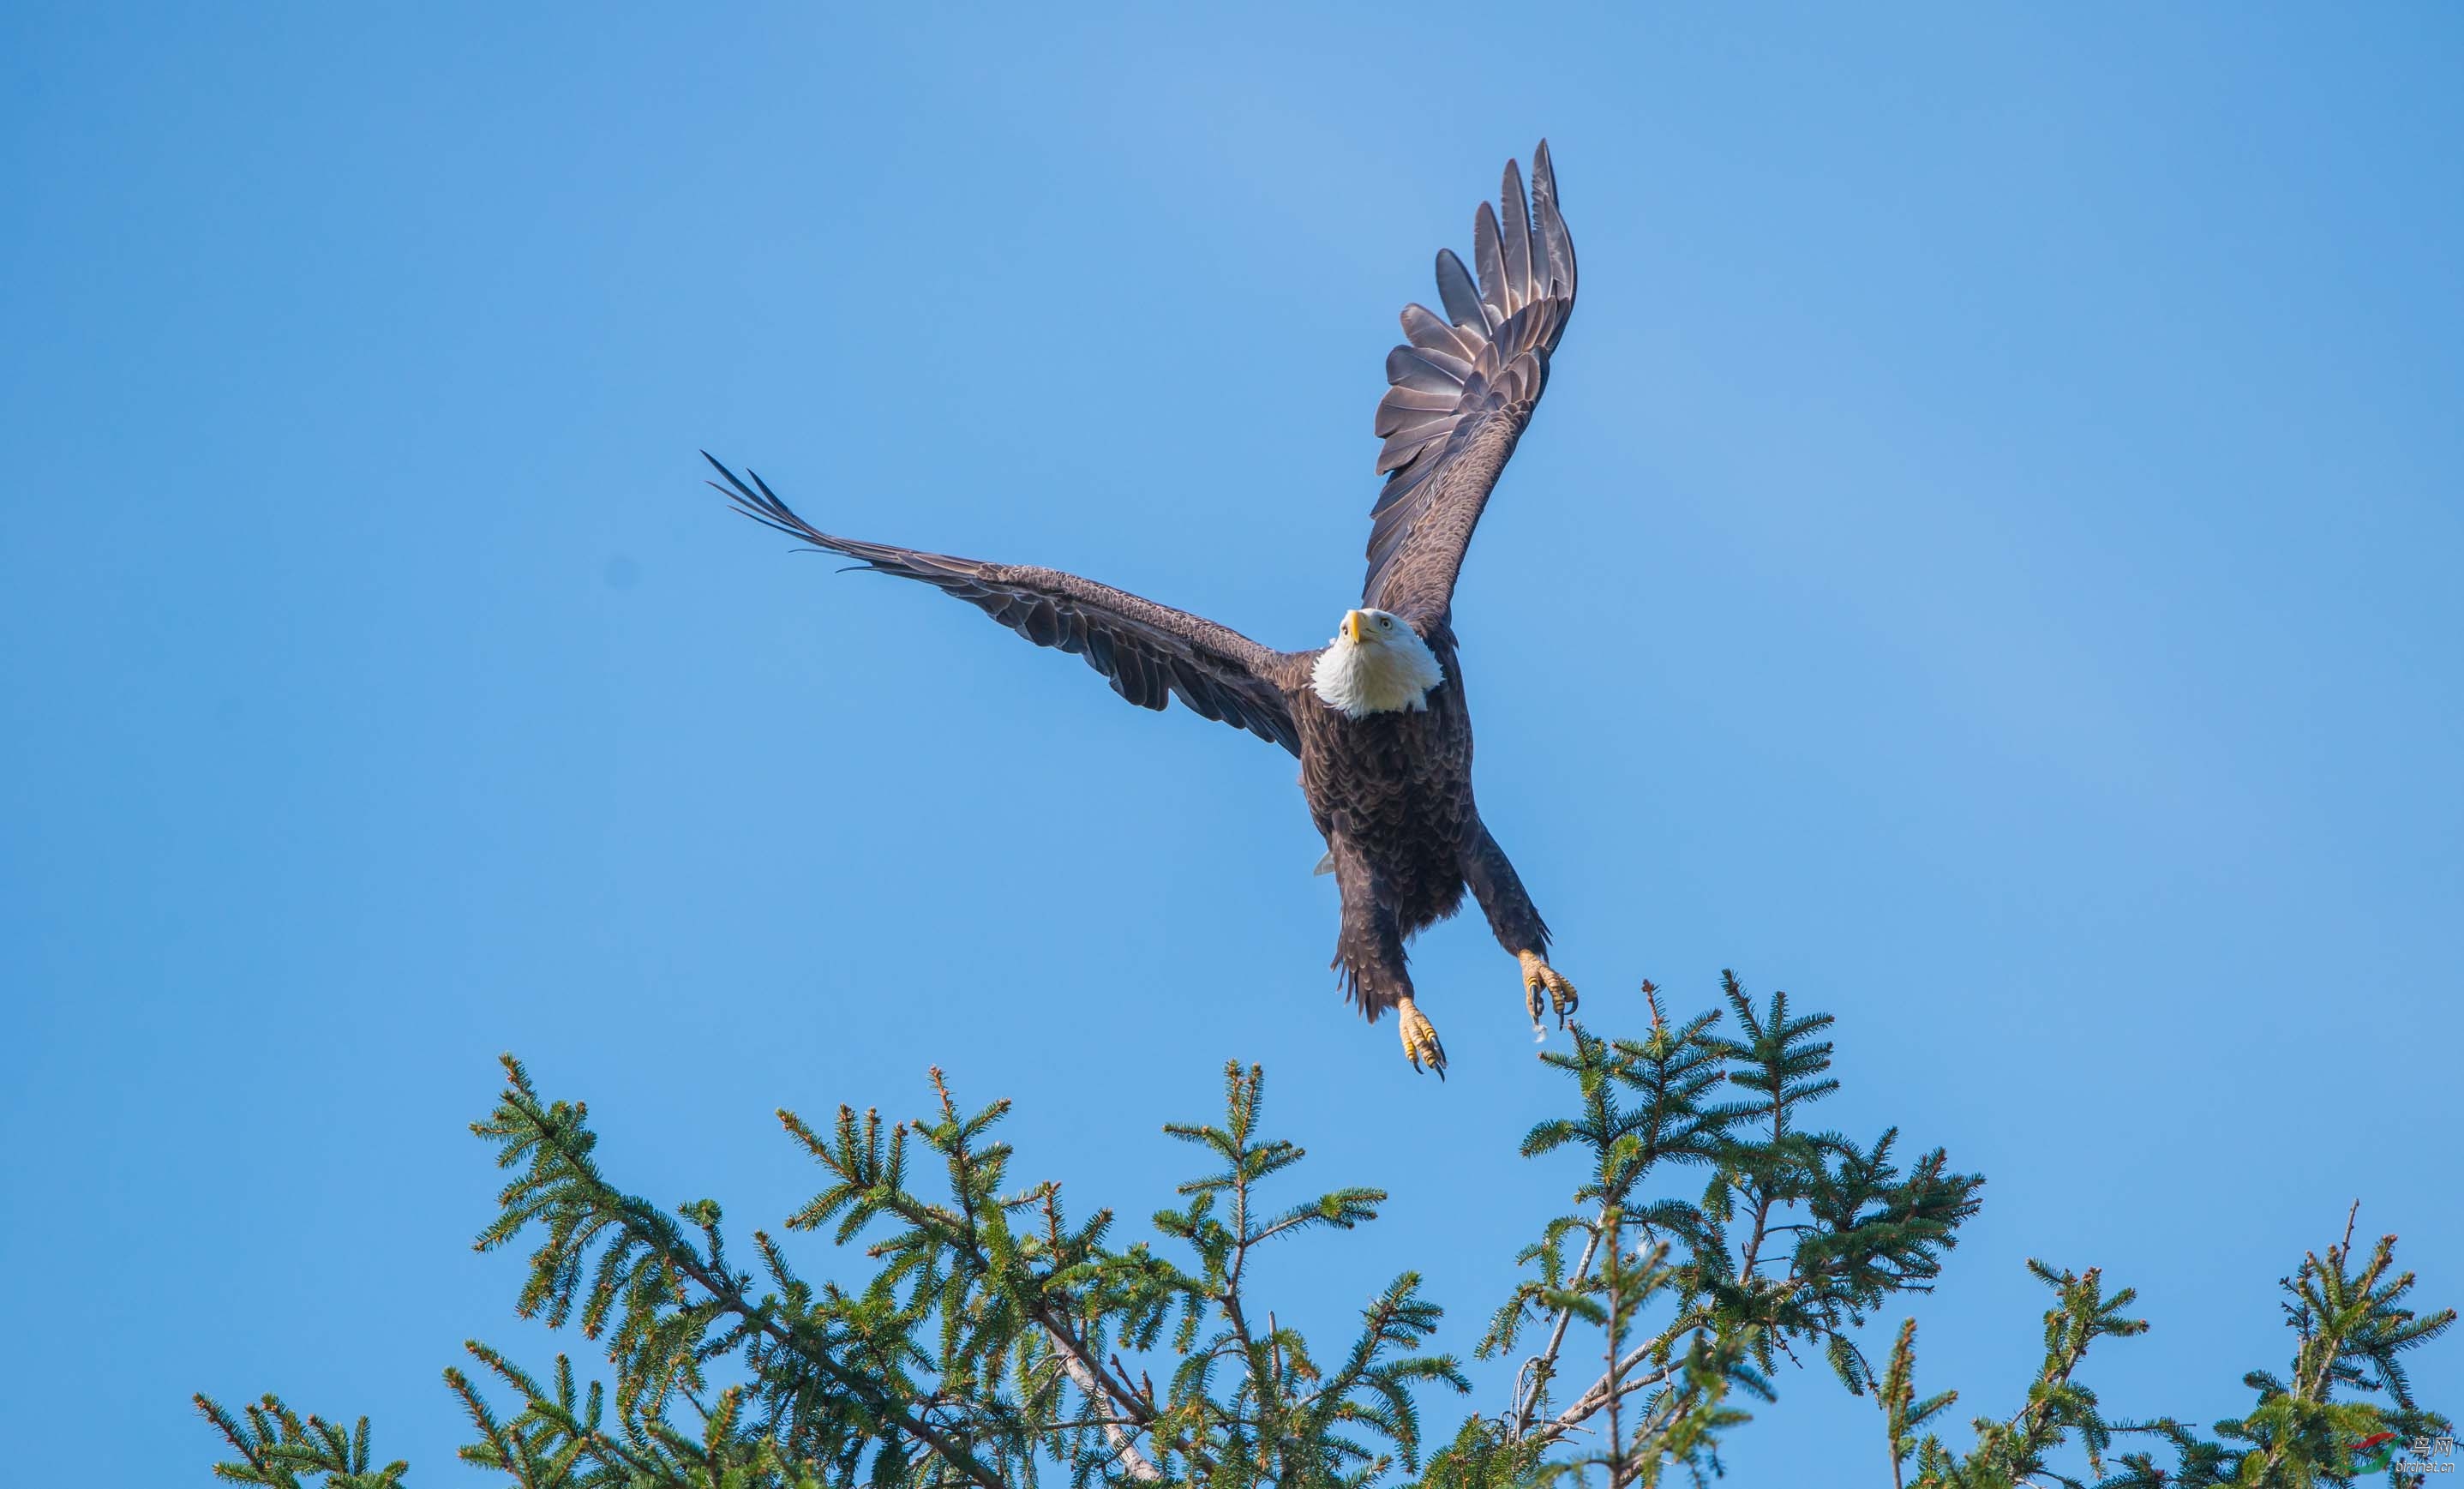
{"points": [[1987, 563]]}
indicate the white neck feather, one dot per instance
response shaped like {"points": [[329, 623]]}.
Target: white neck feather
{"points": [[1357, 678]]}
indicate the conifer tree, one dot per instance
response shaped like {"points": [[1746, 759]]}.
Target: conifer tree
{"points": [[976, 1334]]}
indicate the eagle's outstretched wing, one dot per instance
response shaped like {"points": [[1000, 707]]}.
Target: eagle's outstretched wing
{"points": [[1149, 652], [1464, 386]]}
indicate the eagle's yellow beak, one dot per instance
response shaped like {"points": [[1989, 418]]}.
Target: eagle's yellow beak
{"points": [[1355, 627]]}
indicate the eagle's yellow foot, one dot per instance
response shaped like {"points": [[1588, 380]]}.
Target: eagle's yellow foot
{"points": [[1539, 977], [1420, 1039]]}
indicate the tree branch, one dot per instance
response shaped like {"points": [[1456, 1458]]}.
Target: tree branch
{"points": [[1083, 1376]]}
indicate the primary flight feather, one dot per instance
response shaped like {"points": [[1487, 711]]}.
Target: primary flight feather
{"points": [[1376, 715]]}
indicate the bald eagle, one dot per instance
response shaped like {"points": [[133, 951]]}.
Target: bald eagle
{"points": [[1376, 715]]}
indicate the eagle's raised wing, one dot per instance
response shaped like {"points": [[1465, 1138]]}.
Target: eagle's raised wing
{"points": [[1465, 386], [1149, 652]]}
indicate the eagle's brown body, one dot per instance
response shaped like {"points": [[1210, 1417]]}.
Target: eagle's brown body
{"points": [[1392, 795], [1388, 779]]}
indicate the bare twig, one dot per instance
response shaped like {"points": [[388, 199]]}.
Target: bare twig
{"points": [[1543, 1365]]}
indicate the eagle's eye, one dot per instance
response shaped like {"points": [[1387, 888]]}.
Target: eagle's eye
{"points": [[1385, 622]]}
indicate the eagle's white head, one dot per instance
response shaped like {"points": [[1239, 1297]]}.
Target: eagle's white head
{"points": [[1375, 664]]}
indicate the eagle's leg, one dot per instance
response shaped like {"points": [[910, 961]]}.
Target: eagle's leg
{"points": [[1370, 951], [1518, 927]]}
